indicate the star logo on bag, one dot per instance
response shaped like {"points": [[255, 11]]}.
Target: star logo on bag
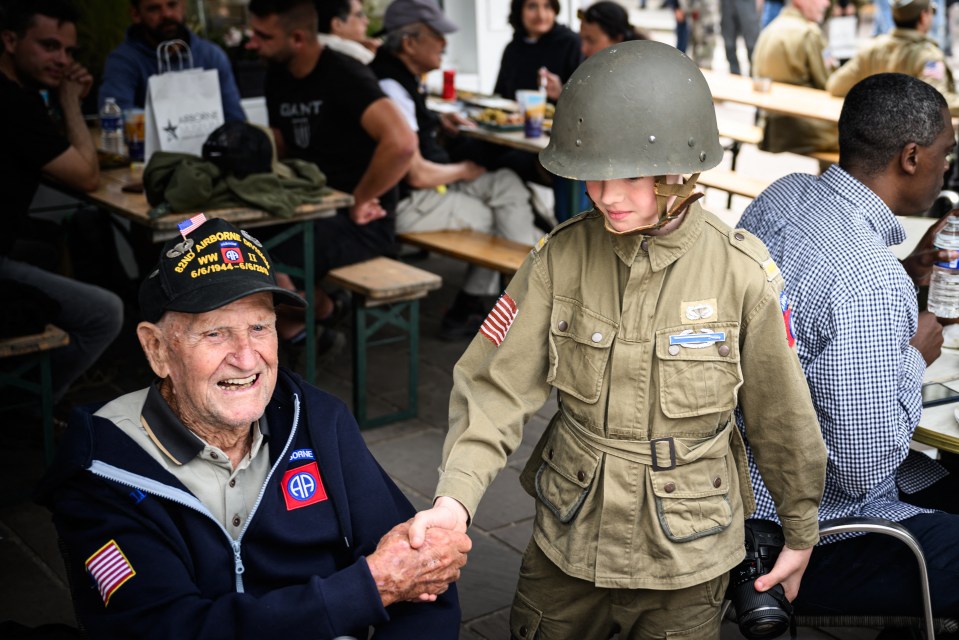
{"points": [[170, 128]]}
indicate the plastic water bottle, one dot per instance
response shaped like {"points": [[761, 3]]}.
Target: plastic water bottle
{"points": [[111, 127], [943, 298]]}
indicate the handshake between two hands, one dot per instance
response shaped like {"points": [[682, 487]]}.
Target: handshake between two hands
{"points": [[417, 560]]}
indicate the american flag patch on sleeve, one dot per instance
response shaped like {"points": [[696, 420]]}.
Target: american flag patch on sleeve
{"points": [[934, 70], [110, 569], [500, 319]]}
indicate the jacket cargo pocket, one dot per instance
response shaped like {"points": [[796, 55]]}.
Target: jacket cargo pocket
{"points": [[692, 499], [579, 346], [567, 472], [698, 378]]}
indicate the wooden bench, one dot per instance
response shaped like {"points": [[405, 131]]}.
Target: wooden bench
{"points": [[733, 183], [831, 157], [473, 247], [34, 351], [386, 293]]}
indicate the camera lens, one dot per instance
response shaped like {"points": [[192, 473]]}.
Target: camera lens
{"points": [[761, 615]]}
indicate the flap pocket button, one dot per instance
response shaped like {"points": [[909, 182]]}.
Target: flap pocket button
{"points": [[669, 487], [597, 337], [718, 482], [563, 325], [550, 454], [724, 350], [674, 349], [581, 475]]}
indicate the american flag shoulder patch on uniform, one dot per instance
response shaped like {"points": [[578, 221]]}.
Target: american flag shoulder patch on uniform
{"points": [[934, 70], [500, 319], [110, 569]]}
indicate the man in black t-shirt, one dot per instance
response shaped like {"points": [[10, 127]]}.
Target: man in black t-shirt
{"points": [[327, 108], [39, 38]]}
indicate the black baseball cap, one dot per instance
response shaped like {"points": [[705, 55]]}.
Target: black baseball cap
{"points": [[213, 265]]}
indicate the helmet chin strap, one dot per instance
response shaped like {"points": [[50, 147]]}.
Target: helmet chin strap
{"points": [[664, 191]]}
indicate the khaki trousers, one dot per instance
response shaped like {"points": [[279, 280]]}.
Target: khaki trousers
{"points": [[550, 605]]}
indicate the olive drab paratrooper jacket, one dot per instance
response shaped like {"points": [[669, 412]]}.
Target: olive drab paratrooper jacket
{"points": [[899, 51], [650, 341]]}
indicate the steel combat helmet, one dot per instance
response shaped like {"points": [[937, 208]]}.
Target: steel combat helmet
{"points": [[636, 109]]}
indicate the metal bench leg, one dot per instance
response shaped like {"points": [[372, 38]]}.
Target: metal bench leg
{"points": [[367, 321]]}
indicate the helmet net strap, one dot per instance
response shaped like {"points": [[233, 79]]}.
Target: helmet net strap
{"points": [[664, 191]]}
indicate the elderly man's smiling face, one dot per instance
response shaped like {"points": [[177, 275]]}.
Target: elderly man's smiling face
{"points": [[220, 365]]}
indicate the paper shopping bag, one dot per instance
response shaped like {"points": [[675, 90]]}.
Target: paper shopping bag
{"points": [[182, 108]]}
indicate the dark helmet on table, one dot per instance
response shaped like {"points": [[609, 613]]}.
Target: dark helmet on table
{"points": [[638, 108]]}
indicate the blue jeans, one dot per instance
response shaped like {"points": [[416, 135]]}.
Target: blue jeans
{"points": [[875, 574], [91, 315]]}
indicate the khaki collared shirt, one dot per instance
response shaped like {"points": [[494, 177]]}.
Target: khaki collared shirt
{"points": [[205, 470], [899, 51], [650, 342], [791, 49]]}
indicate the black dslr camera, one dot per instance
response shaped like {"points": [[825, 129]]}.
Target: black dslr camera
{"points": [[760, 615]]}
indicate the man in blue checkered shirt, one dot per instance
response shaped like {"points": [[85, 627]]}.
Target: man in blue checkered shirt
{"points": [[864, 346]]}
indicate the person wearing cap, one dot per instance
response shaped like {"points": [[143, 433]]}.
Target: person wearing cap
{"points": [[438, 193], [230, 498], [604, 24], [895, 138], [792, 49], [906, 49], [343, 25], [653, 321]]}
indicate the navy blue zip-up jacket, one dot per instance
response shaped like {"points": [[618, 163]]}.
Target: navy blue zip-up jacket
{"points": [[292, 573]]}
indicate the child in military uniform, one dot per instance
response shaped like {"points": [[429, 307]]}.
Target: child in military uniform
{"points": [[654, 321]]}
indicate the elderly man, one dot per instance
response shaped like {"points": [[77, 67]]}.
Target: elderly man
{"points": [[229, 498], [906, 49], [792, 49], [863, 345], [342, 25], [39, 40], [130, 65], [438, 193]]}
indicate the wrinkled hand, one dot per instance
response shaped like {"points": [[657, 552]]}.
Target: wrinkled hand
{"points": [[446, 513], [788, 571], [928, 338], [919, 263], [404, 573], [366, 212], [76, 83]]}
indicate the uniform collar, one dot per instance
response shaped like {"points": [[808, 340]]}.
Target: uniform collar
{"points": [[663, 250], [910, 34], [170, 434]]}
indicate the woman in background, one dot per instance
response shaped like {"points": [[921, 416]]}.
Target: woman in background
{"points": [[604, 24], [539, 42]]}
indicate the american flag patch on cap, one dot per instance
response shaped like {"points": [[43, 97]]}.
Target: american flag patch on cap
{"points": [[110, 569], [190, 224], [499, 320]]}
